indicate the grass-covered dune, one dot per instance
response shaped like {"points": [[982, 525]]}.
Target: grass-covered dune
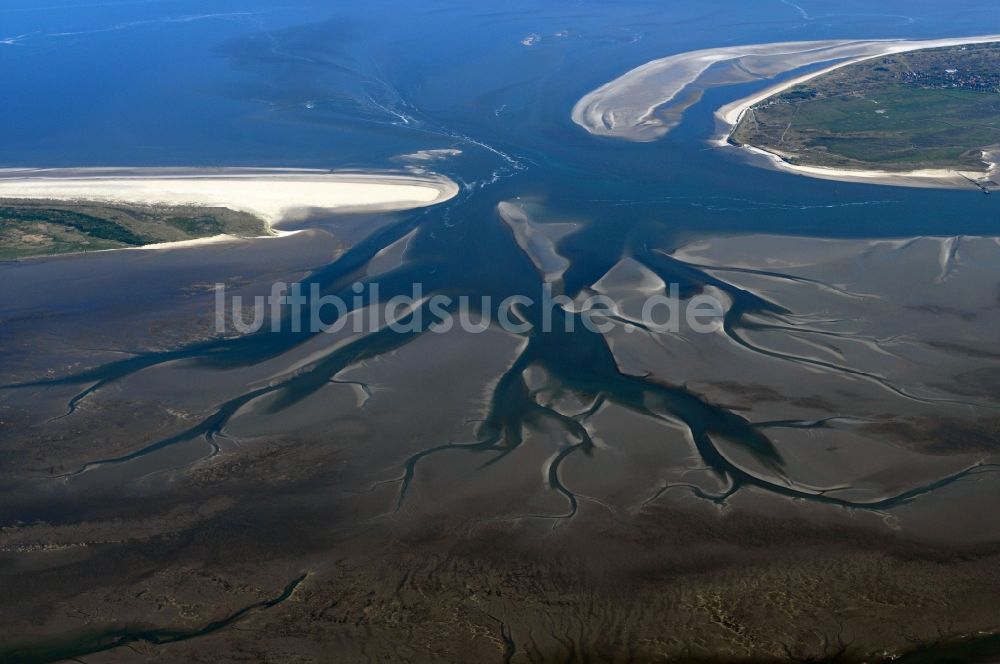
{"points": [[40, 228]]}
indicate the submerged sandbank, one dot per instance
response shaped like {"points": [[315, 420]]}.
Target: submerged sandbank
{"points": [[274, 195]]}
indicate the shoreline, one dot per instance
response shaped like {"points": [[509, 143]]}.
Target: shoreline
{"points": [[929, 178], [272, 195], [729, 116]]}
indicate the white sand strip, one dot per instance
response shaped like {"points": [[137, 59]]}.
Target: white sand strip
{"points": [[931, 178], [274, 195]]}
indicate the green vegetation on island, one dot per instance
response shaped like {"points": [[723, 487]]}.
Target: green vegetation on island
{"points": [[929, 109], [39, 228]]}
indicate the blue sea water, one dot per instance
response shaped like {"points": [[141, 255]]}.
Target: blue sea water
{"points": [[351, 85]]}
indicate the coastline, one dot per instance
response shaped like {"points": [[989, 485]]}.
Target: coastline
{"points": [[729, 116], [929, 178], [272, 195]]}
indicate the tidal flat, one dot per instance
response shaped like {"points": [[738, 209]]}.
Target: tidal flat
{"points": [[461, 495]]}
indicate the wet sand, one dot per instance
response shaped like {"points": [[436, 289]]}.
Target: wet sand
{"points": [[830, 446]]}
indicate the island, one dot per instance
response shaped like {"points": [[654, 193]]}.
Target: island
{"points": [[932, 114], [56, 211]]}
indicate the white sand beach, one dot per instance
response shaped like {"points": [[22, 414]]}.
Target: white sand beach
{"points": [[932, 178], [274, 195]]}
